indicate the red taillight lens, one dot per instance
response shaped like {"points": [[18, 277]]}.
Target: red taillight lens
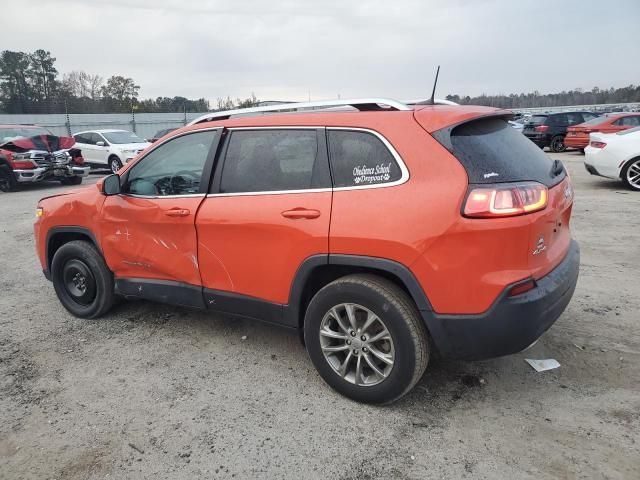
{"points": [[598, 144], [541, 128], [505, 200]]}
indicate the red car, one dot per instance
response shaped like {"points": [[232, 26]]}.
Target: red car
{"points": [[578, 136], [381, 234]]}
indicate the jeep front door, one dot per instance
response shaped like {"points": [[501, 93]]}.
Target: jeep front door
{"points": [[148, 231]]}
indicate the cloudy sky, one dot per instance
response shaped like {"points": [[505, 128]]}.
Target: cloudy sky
{"points": [[288, 49]]}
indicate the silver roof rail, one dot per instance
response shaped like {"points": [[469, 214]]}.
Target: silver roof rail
{"points": [[436, 101], [364, 104]]}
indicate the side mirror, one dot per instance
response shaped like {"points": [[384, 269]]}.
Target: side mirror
{"points": [[111, 185], [100, 143]]}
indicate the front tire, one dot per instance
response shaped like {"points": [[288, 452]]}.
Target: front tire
{"points": [[82, 280], [7, 179], [557, 144], [115, 163], [366, 338], [631, 174]]}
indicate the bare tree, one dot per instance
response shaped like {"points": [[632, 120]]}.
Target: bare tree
{"points": [[82, 84]]}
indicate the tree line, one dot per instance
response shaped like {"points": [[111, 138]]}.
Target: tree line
{"points": [[578, 96], [30, 83]]}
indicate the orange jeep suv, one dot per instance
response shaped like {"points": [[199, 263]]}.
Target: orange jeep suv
{"points": [[383, 232]]}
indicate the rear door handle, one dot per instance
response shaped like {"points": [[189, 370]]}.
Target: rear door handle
{"points": [[299, 213], [177, 212]]}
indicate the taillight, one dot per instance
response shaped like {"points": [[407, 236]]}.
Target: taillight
{"points": [[541, 128], [505, 200], [597, 144]]}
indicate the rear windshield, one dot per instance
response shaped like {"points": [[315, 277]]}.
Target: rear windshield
{"points": [[493, 152], [536, 120]]}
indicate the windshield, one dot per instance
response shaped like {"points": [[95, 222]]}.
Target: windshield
{"points": [[122, 137], [8, 134]]}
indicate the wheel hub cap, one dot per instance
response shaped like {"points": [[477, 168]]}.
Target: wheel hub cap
{"points": [[79, 282], [357, 344]]}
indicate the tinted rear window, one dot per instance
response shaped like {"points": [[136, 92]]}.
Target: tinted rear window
{"points": [[493, 152]]}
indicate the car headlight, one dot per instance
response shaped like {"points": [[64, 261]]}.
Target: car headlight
{"points": [[129, 152]]}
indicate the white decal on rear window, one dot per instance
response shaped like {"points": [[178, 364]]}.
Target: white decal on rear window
{"points": [[365, 174]]}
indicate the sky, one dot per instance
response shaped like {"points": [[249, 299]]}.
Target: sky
{"points": [[296, 50]]}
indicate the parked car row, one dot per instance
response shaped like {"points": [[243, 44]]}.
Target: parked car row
{"points": [[616, 156], [560, 131]]}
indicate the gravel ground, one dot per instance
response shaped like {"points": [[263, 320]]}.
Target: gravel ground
{"points": [[152, 391]]}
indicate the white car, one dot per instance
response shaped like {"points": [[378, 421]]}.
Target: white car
{"points": [[112, 148], [615, 155]]}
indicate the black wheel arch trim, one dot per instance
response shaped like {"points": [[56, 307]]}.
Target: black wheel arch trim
{"points": [[305, 270], [53, 231]]}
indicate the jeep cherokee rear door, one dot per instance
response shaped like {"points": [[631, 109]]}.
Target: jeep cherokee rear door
{"points": [[148, 231], [268, 210]]}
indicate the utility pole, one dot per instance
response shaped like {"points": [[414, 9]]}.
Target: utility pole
{"points": [[133, 117], [67, 119]]}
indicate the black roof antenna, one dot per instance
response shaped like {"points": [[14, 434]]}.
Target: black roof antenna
{"points": [[432, 100]]}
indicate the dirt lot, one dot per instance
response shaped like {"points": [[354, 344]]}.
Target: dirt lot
{"points": [[153, 391]]}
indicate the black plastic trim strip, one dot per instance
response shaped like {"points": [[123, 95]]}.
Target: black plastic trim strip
{"points": [[67, 229], [390, 266], [163, 291]]}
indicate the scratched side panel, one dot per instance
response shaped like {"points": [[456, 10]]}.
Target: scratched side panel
{"points": [[140, 240]]}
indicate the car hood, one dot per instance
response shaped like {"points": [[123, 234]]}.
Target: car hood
{"points": [[47, 143]]}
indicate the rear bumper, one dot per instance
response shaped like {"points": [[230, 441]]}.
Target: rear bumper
{"points": [[512, 323], [539, 139]]}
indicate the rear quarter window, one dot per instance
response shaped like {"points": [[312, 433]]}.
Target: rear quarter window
{"points": [[493, 152], [360, 159]]}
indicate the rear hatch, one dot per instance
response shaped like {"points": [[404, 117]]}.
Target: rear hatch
{"points": [[497, 158], [533, 122]]}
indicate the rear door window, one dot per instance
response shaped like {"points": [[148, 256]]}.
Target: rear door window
{"points": [[360, 159], [493, 152], [574, 118], [274, 160]]}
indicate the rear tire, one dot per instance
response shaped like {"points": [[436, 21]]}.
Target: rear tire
{"points": [[557, 144], [631, 174], [341, 326], [82, 280]]}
